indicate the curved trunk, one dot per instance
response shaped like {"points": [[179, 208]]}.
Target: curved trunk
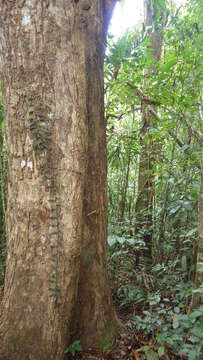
{"points": [[56, 214]]}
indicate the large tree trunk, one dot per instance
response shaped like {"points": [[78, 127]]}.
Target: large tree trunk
{"points": [[56, 216], [144, 203], [2, 211]]}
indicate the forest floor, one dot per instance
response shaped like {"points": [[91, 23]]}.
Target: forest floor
{"points": [[156, 310], [128, 346], [155, 307]]}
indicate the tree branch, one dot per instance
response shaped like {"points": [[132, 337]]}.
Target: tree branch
{"points": [[144, 98], [170, 131], [147, 100], [197, 134]]}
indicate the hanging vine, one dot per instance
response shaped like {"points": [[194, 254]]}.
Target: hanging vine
{"points": [[41, 127]]}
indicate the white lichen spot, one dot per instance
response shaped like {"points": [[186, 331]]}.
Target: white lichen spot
{"points": [[25, 17], [50, 116], [43, 239], [29, 165], [23, 164]]}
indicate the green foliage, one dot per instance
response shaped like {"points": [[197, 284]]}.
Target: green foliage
{"points": [[157, 303], [74, 348], [179, 331], [174, 86], [106, 347]]}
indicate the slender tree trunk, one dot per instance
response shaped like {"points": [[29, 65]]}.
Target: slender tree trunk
{"points": [[125, 188], [163, 220], [144, 202], [56, 217], [145, 192], [197, 298]]}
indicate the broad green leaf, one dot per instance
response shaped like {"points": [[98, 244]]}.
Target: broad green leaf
{"points": [[161, 351], [152, 355]]}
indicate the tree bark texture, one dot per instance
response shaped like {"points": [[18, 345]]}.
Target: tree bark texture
{"points": [[56, 278]]}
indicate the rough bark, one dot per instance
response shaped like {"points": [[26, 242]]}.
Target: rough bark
{"points": [[94, 301], [52, 72], [2, 227]]}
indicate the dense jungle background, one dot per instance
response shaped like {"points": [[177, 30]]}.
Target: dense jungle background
{"points": [[153, 112]]}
